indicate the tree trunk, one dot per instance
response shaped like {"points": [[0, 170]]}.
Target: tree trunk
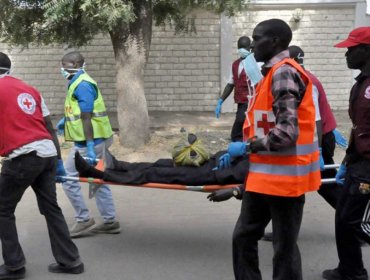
{"points": [[131, 46]]}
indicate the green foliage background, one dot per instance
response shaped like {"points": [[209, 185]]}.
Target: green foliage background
{"points": [[75, 22]]}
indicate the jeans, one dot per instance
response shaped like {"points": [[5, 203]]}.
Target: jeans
{"points": [[237, 129], [103, 196], [39, 173], [256, 212]]}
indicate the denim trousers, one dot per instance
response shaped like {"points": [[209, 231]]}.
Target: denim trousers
{"points": [[17, 175], [256, 212], [103, 196]]}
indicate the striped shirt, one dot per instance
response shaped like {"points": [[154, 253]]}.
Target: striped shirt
{"points": [[288, 90]]}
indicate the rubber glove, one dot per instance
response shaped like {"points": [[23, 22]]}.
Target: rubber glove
{"points": [[60, 172], [339, 178], [237, 149], [223, 162], [322, 163], [340, 140], [221, 195], [218, 108], [91, 155], [60, 126]]}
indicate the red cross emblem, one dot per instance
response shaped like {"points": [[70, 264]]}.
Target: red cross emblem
{"points": [[27, 103], [265, 124]]}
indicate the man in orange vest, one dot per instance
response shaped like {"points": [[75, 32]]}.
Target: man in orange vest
{"points": [[280, 136]]}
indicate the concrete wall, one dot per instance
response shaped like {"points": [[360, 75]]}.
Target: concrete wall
{"points": [[188, 72]]}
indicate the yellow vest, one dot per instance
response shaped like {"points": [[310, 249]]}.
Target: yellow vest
{"points": [[73, 123]]}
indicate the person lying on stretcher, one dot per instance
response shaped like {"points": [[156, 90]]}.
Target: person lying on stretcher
{"points": [[168, 171]]}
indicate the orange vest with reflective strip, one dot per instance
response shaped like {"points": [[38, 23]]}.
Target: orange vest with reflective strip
{"points": [[295, 170]]}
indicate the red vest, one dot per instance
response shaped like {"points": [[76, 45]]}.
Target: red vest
{"points": [[240, 82], [20, 114]]}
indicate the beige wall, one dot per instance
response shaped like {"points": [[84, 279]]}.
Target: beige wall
{"points": [[183, 71]]}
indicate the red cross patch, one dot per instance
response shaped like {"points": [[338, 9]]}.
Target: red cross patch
{"points": [[27, 103], [264, 121]]}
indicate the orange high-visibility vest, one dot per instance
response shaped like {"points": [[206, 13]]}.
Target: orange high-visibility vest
{"points": [[292, 171]]}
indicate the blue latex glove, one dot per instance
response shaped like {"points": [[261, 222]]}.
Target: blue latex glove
{"points": [[322, 163], [237, 149], [223, 162], [218, 108], [91, 155], [60, 126], [339, 139], [339, 178], [60, 172]]}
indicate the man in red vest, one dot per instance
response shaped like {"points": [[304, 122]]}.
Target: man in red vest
{"points": [[32, 158], [352, 216], [238, 82]]}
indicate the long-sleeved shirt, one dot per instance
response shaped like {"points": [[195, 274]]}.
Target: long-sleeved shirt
{"points": [[288, 89]]}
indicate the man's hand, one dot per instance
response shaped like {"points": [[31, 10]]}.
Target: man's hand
{"points": [[221, 195], [238, 149], [339, 178], [223, 162], [90, 153], [218, 108], [60, 126], [340, 140], [60, 172]]}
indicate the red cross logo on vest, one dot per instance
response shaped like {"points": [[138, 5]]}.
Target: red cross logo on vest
{"points": [[27, 103], [263, 122]]}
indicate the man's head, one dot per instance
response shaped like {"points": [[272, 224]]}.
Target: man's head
{"points": [[5, 63], [270, 37], [358, 44], [244, 43], [71, 63], [297, 54]]}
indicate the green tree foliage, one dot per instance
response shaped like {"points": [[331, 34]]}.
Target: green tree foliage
{"points": [[77, 21], [129, 24]]}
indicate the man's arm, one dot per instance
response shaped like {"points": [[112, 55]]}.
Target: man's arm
{"points": [[87, 125], [227, 91], [50, 128]]}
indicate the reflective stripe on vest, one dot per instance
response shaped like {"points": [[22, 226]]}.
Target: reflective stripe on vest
{"points": [[94, 115], [288, 172]]}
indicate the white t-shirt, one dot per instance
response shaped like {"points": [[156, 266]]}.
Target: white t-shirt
{"points": [[44, 148]]}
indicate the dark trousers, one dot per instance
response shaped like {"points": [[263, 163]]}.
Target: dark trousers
{"points": [[237, 129], [256, 212], [39, 173], [330, 192], [352, 222]]}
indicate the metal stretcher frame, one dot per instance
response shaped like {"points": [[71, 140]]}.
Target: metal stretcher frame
{"points": [[95, 183]]}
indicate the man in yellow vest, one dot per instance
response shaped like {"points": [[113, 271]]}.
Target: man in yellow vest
{"points": [[86, 123], [280, 138]]}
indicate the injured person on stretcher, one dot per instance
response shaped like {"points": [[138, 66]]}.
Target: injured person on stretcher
{"points": [[164, 171]]}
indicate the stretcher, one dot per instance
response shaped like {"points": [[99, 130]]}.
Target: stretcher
{"points": [[95, 183]]}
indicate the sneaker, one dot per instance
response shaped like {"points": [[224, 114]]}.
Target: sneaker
{"points": [[81, 228], [332, 274], [59, 268], [112, 228], [5, 273]]}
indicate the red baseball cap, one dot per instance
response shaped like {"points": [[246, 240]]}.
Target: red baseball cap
{"points": [[356, 37]]}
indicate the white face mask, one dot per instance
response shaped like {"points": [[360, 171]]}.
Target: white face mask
{"points": [[68, 72], [252, 69]]}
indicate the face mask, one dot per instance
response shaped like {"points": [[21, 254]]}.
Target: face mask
{"points": [[66, 74], [300, 59], [252, 69], [243, 53]]}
